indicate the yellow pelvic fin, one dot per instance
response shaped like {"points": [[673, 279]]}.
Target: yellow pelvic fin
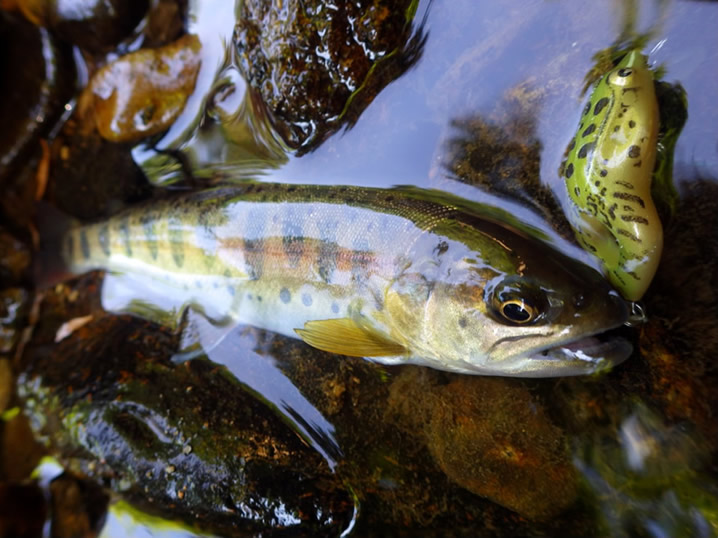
{"points": [[346, 337]]}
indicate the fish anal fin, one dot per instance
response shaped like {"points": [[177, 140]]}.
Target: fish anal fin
{"points": [[346, 337]]}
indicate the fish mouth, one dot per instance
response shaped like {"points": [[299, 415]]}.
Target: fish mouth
{"points": [[596, 352]]}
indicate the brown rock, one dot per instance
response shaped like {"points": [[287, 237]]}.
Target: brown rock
{"points": [[143, 92]]}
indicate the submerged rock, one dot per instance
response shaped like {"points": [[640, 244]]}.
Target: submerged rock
{"points": [[38, 77], [92, 25], [186, 441], [317, 66], [142, 93]]}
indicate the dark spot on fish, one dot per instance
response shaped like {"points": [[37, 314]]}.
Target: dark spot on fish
{"points": [[616, 128], [442, 247], [215, 284], [103, 237], [589, 130], [389, 199], [335, 308], [629, 197], [628, 208], [628, 234], [249, 296], [634, 152], [572, 145], [231, 290], [597, 183], [569, 170], [603, 173], [625, 184], [198, 284], [631, 124], [148, 227], [638, 164], [259, 298], [600, 105], [634, 275], [463, 322], [577, 191], [585, 149], [84, 244], [603, 191], [587, 108], [285, 296], [307, 299], [291, 188], [634, 218], [125, 234]]}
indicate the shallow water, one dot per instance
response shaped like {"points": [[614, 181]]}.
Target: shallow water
{"points": [[508, 77]]}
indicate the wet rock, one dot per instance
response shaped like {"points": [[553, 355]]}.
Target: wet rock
{"points": [[6, 383], [492, 437], [164, 22], [95, 25], [141, 93], [78, 507], [42, 76], [113, 407], [19, 453], [14, 304], [15, 258], [317, 66], [92, 178], [22, 510]]}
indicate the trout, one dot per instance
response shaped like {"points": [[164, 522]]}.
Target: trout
{"points": [[399, 276]]}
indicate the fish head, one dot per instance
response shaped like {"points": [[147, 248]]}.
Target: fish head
{"points": [[543, 320]]}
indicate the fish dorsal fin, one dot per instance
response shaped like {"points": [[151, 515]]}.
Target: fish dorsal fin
{"points": [[346, 337]]}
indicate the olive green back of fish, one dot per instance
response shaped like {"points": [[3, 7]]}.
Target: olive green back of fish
{"points": [[608, 174]]}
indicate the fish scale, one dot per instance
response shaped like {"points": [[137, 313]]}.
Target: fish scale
{"points": [[401, 275]]}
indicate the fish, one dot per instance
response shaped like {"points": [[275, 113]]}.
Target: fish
{"points": [[608, 173], [399, 276]]}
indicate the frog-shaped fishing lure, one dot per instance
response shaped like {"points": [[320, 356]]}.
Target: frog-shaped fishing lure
{"points": [[608, 174]]}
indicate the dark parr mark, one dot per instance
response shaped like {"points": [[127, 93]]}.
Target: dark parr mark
{"points": [[148, 227], [600, 105], [585, 149], [174, 236], [292, 238], [335, 308], [629, 198], [84, 244], [569, 170], [285, 296], [591, 128], [124, 227], [634, 218], [634, 152], [103, 237], [307, 299]]}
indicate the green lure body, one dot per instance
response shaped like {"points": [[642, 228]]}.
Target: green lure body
{"points": [[608, 173]]}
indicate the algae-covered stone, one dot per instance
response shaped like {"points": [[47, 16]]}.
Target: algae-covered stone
{"points": [[317, 66], [111, 404], [141, 93]]}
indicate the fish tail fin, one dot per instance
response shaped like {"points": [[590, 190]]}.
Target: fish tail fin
{"points": [[54, 251]]}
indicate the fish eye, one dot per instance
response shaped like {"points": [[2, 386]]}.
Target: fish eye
{"points": [[518, 311], [516, 302]]}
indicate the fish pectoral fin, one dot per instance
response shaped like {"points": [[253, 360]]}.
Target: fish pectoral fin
{"points": [[346, 337]]}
